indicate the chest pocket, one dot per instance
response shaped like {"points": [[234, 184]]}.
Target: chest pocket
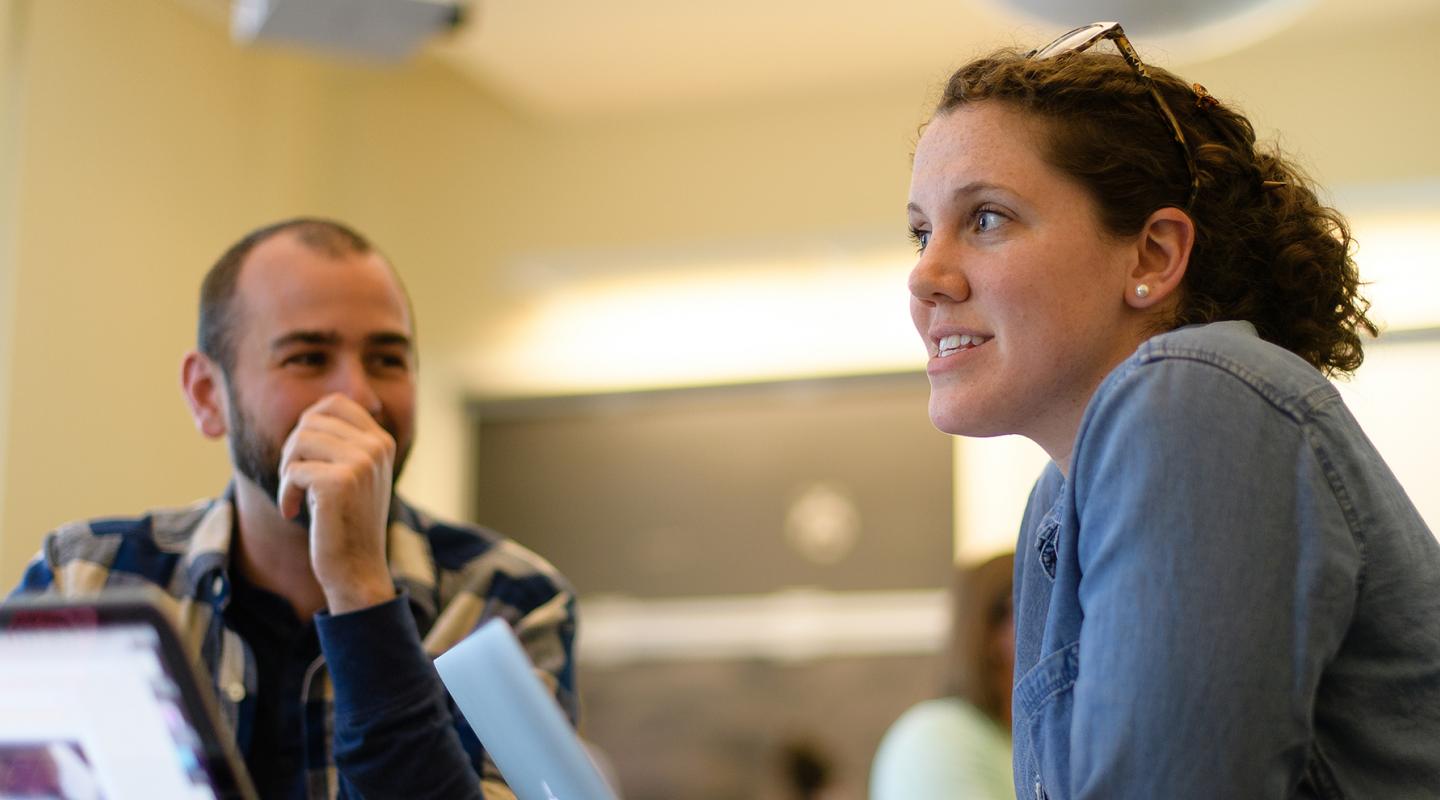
{"points": [[1045, 543], [1044, 706]]}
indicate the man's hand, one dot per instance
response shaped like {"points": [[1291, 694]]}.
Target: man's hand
{"points": [[340, 461]]}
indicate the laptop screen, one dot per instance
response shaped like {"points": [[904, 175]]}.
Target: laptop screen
{"points": [[98, 702]]}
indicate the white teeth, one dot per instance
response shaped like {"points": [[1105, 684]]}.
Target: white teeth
{"points": [[957, 341]]}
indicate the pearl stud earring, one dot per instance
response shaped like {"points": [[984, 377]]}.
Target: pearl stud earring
{"points": [[1142, 290]]}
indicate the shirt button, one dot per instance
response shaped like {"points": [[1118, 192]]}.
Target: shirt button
{"points": [[235, 692]]}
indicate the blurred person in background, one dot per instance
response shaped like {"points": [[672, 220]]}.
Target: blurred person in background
{"points": [[958, 745], [807, 769]]}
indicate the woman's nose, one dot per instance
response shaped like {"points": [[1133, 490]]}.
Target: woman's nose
{"points": [[937, 277]]}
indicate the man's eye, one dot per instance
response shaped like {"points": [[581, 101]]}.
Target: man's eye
{"points": [[306, 360], [920, 238], [389, 361]]}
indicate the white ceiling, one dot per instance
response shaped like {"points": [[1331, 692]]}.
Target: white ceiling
{"points": [[579, 57]]}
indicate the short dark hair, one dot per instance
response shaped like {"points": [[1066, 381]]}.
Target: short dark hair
{"points": [[1266, 249], [216, 334]]}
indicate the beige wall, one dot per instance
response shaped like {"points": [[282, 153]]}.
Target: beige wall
{"points": [[137, 141], [11, 82], [144, 144], [468, 196], [1356, 110]]}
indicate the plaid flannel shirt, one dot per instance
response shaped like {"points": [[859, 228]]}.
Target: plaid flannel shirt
{"points": [[452, 578]]}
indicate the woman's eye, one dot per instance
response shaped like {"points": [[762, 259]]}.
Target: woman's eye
{"points": [[986, 221], [920, 238]]}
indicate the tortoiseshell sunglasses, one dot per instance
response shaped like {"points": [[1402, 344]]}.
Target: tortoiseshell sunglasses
{"points": [[1084, 37]]}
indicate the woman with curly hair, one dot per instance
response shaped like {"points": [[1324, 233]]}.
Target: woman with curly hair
{"points": [[1221, 589]]}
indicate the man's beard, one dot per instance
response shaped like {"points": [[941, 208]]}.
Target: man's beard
{"points": [[259, 459]]}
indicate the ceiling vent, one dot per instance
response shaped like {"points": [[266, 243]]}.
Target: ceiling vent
{"points": [[377, 30]]}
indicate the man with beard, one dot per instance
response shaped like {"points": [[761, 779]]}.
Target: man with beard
{"points": [[317, 598]]}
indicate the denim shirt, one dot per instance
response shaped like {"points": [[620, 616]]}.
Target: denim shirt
{"points": [[1231, 596]]}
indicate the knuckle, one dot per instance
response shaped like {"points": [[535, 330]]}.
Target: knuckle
{"points": [[379, 445]]}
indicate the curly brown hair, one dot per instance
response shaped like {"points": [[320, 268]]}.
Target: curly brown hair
{"points": [[1266, 249]]}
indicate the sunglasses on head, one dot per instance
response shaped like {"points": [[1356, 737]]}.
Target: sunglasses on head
{"points": [[1085, 36]]}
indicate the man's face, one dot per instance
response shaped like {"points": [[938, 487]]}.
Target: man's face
{"points": [[308, 325]]}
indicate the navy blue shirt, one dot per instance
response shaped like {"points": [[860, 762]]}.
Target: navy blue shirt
{"points": [[285, 650]]}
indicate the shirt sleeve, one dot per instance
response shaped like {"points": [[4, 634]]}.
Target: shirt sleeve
{"points": [[1218, 575], [41, 573], [38, 577], [394, 735]]}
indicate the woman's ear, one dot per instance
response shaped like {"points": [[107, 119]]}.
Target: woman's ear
{"points": [[1164, 245], [203, 382]]}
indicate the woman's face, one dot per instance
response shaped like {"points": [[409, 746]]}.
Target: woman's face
{"points": [[1019, 294]]}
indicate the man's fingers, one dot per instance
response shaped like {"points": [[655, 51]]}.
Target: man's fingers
{"points": [[340, 417], [308, 444], [366, 462], [319, 421], [341, 407], [330, 439], [311, 454], [301, 480], [291, 499]]}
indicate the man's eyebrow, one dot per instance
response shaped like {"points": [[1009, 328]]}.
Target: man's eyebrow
{"points": [[305, 337], [332, 339], [388, 339]]}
